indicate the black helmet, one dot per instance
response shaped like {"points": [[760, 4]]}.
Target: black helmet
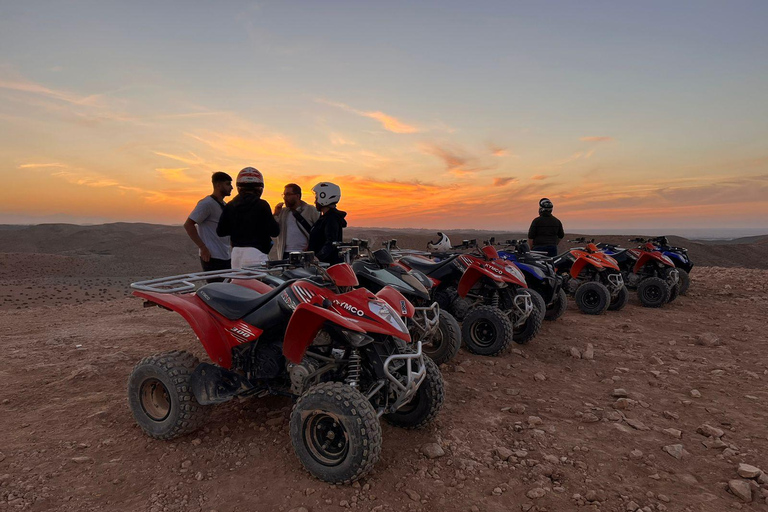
{"points": [[545, 205]]}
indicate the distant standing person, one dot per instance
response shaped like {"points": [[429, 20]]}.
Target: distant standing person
{"points": [[203, 221], [546, 230], [330, 227], [248, 221], [296, 219]]}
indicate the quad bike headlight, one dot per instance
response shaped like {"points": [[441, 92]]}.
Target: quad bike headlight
{"points": [[384, 311], [515, 272]]}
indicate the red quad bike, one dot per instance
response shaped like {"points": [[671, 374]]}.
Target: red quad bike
{"points": [[592, 278], [487, 294], [346, 358], [649, 271]]}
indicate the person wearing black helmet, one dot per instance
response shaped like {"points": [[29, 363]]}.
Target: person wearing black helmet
{"points": [[330, 226], [546, 230]]}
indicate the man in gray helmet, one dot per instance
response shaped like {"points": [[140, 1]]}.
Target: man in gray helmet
{"points": [[546, 230]]}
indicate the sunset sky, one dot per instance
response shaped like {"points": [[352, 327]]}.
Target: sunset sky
{"points": [[445, 114]]}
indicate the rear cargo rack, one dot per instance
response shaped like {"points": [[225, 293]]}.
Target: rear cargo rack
{"points": [[186, 282]]}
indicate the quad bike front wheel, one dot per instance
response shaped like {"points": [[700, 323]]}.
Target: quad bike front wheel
{"points": [[685, 281], [538, 300], [487, 331], [653, 292], [620, 300], [444, 343], [593, 298], [335, 433], [160, 395], [558, 306], [425, 404]]}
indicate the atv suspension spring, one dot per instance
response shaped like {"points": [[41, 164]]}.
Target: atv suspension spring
{"points": [[353, 370], [495, 300]]}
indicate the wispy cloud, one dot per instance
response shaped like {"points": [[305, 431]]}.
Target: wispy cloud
{"points": [[175, 174], [456, 161], [498, 151], [539, 177], [388, 122], [42, 165], [500, 182], [596, 138]]}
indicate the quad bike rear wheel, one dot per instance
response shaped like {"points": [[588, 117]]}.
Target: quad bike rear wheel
{"points": [[558, 306], [335, 433], [448, 299], [653, 292], [425, 404], [445, 341], [487, 331], [685, 281], [593, 298], [620, 300], [160, 395]]}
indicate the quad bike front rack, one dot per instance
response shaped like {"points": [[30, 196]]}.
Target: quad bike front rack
{"points": [[413, 377], [187, 282]]}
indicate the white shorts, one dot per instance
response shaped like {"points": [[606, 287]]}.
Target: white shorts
{"points": [[244, 256]]}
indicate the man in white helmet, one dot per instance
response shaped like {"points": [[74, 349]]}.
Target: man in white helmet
{"points": [[546, 230], [248, 221], [330, 226]]}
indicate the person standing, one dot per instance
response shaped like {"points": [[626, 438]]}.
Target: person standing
{"points": [[296, 219], [330, 226], [248, 221], [202, 223], [546, 230]]}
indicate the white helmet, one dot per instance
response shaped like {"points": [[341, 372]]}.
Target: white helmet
{"points": [[326, 193], [250, 176], [442, 245]]}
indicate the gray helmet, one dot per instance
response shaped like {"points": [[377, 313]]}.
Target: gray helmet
{"points": [[545, 205]]}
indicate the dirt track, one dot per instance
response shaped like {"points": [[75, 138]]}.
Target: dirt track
{"points": [[70, 442]]}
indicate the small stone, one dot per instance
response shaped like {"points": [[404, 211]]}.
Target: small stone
{"points": [[502, 452], [539, 376], [413, 495], [710, 431], [186, 464], [635, 454], [82, 460], [695, 393], [741, 490], [637, 424], [621, 404], [588, 417], [748, 471], [534, 421], [517, 408], [552, 459], [671, 415], [675, 450], [521, 454], [612, 415], [299, 509], [536, 493], [673, 432], [707, 339], [432, 450], [619, 393], [196, 442], [497, 491], [589, 353], [664, 498], [198, 476], [713, 442], [575, 353], [632, 506]]}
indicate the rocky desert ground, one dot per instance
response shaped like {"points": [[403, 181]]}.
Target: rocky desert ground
{"points": [[644, 409]]}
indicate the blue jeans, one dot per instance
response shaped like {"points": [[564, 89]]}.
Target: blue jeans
{"points": [[551, 250]]}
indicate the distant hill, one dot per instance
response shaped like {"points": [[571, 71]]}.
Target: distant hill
{"points": [[136, 247]]}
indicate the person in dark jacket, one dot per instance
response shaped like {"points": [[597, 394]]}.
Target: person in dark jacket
{"points": [[330, 226], [248, 221], [546, 230]]}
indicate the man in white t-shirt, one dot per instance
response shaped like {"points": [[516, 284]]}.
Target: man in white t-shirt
{"points": [[202, 222], [296, 219]]}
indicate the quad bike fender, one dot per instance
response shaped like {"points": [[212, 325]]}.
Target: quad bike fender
{"points": [[200, 318], [303, 326], [582, 262], [343, 275], [471, 276], [649, 257], [397, 300]]}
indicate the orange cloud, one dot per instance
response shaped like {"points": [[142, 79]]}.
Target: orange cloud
{"points": [[500, 182], [41, 166], [601, 138], [390, 123], [175, 174], [498, 151], [539, 177], [455, 161]]}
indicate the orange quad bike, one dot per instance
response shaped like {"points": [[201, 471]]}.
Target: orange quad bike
{"points": [[592, 278], [346, 359], [646, 269]]}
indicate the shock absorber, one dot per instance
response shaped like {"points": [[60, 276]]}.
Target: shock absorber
{"points": [[495, 299], [353, 370]]}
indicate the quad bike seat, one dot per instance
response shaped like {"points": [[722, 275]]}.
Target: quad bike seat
{"points": [[426, 266], [233, 301]]}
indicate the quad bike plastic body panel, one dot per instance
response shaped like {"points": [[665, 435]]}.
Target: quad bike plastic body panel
{"points": [[217, 333], [584, 259], [343, 275], [644, 257], [397, 300]]}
